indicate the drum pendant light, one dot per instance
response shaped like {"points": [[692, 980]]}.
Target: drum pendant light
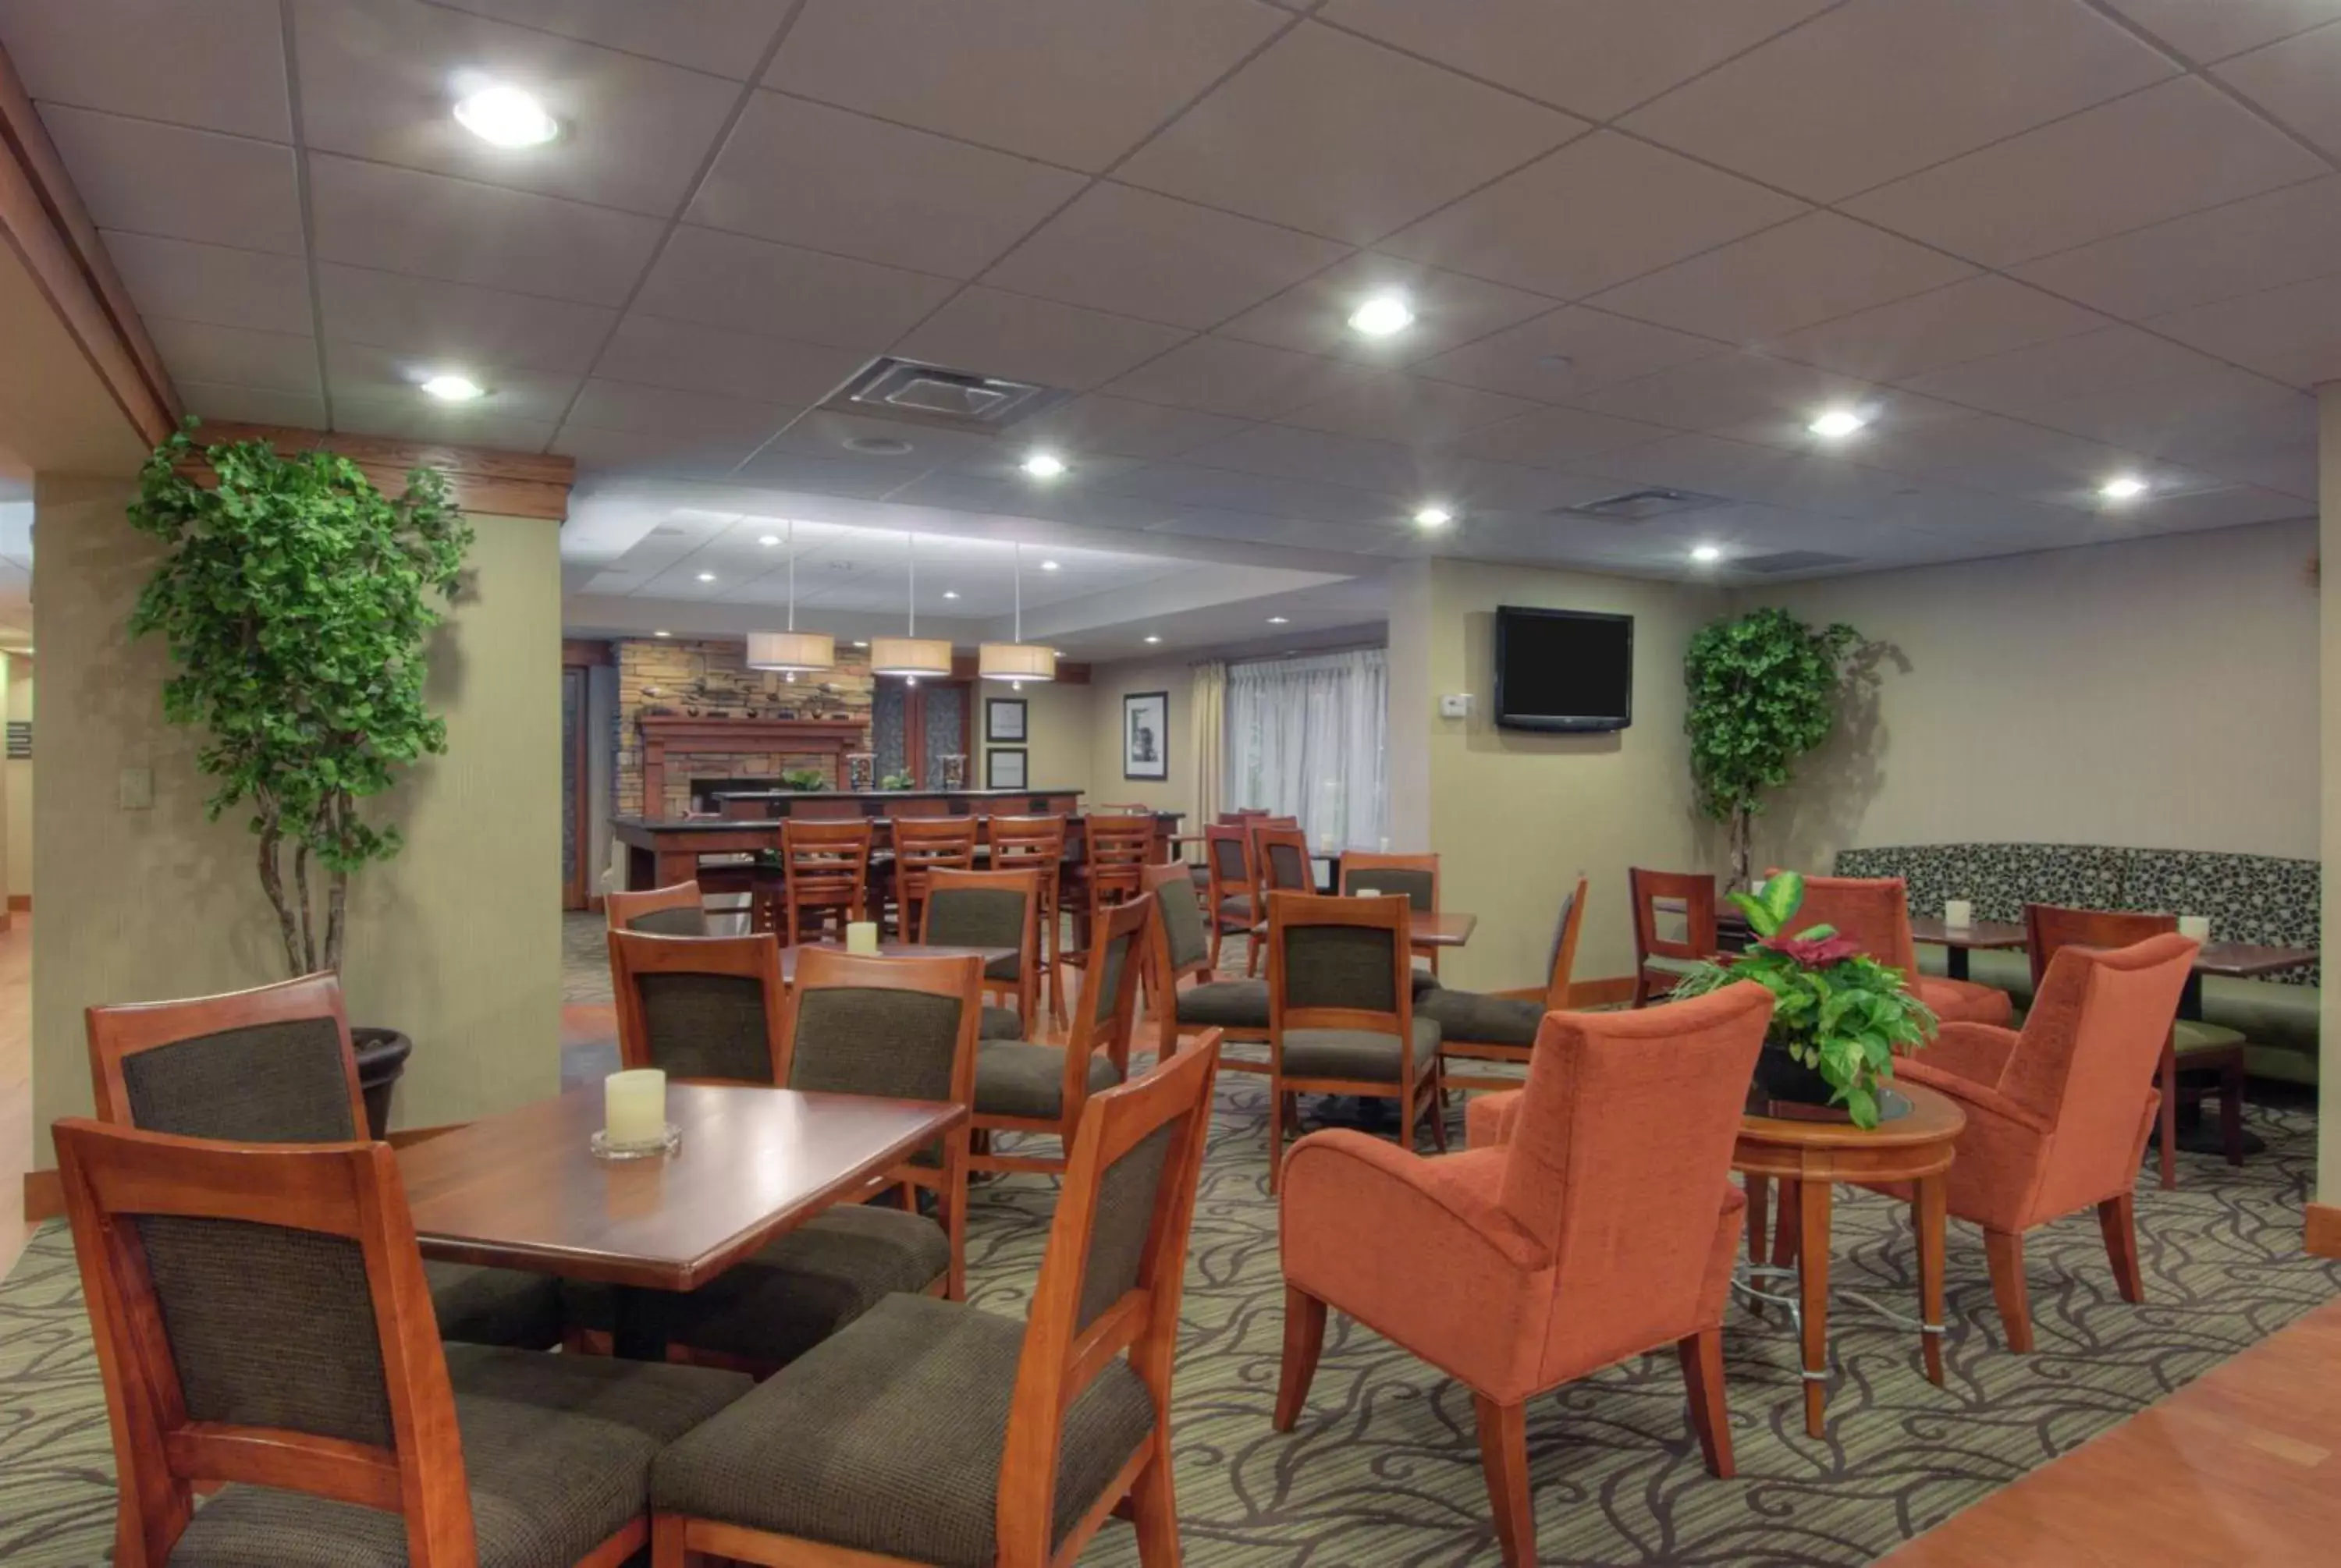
{"points": [[792, 652], [1019, 661], [911, 655]]}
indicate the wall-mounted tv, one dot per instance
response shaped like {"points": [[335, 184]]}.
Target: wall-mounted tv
{"points": [[1566, 669]]}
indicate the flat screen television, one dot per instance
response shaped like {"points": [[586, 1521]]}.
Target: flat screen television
{"points": [[1563, 670]]}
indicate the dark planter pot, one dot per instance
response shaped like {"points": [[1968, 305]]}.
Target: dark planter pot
{"points": [[1780, 1077], [381, 1056]]}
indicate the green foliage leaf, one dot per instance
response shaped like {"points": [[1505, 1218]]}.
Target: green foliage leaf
{"points": [[1764, 689]]}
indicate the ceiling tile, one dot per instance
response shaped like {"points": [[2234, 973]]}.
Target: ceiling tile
{"points": [[2047, 374], [1223, 490], [2217, 409], [2214, 31], [2292, 469], [1450, 310], [824, 432], [1223, 376], [1074, 81], [2294, 81], [1946, 326], [431, 226], [1595, 213], [658, 410], [1138, 253], [459, 323], [270, 362], [1292, 533], [1595, 57], [728, 280], [140, 57], [1878, 88], [1318, 456], [378, 78], [654, 352], [252, 405], [1731, 390], [808, 175], [1742, 470], [2293, 335], [691, 455], [1390, 406], [821, 476], [2139, 160], [213, 284], [1818, 267], [387, 379], [1988, 453], [1556, 437], [1328, 132], [221, 189], [1102, 423], [724, 37], [997, 334], [2285, 236], [1564, 353], [402, 420]]}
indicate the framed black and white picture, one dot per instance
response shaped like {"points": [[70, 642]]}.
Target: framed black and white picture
{"points": [[1003, 720], [1146, 735], [1003, 767]]}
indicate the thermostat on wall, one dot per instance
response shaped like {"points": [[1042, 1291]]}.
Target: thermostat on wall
{"points": [[1455, 705]]}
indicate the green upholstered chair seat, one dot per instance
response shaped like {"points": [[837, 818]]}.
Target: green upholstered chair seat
{"points": [[1014, 1078], [1668, 964], [496, 1306], [999, 1024], [1005, 970], [888, 1439], [1236, 908], [1480, 1019], [798, 1290], [1360, 1056], [1225, 1004], [557, 1450], [2190, 1036]]}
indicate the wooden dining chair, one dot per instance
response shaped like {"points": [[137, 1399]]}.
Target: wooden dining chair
{"points": [[1416, 875], [699, 1006], [1115, 853], [931, 1432], [679, 910], [827, 867], [1342, 1017], [276, 1066], [996, 908], [1660, 960], [1503, 1026], [1037, 844], [1181, 944], [922, 845], [2193, 1046], [1232, 891], [1281, 864], [1022, 1086], [264, 1334]]}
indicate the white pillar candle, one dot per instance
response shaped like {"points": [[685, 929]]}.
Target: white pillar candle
{"points": [[861, 936], [633, 1107], [1958, 912], [2195, 928]]}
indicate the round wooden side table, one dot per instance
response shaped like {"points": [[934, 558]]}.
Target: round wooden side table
{"points": [[1809, 1158]]}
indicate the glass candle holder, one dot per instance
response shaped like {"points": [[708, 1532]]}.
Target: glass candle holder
{"points": [[1959, 913], [633, 1116]]}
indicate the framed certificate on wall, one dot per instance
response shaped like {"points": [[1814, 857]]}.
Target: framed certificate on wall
{"points": [[1003, 768], [1003, 720], [1146, 735]]}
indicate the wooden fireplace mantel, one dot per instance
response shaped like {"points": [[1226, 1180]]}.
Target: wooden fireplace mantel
{"points": [[703, 736]]}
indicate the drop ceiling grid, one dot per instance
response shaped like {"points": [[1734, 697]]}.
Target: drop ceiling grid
{"points": [[1288, 29]]}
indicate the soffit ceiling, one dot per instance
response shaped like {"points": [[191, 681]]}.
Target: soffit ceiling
{"points": [[2040, 242]]}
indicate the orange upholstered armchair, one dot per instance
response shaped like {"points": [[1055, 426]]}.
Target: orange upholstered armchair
{"points": [[2058, 1115], [1875, 912], [1602, 1226]]}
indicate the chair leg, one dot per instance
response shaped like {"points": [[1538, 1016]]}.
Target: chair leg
{"points": [[1504, 1456], [2231, 1108], [1278, 1102], [666, 1542], [1253, 942], [2118, 1217], [1703, 1366], [1304, 1341], [2169, 1115], [1788, 1229], [2004, 1252], [1760, 1208], [1154, 1511]]}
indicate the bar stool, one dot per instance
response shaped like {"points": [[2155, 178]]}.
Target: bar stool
{"points": [[827, 865], [1037, 844]]}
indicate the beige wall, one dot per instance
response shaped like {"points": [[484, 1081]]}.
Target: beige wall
{"points": [[18, 784], [1515, 816], [2328, 1076], [2157, 694], [1059, 745], [457, 941], [1109, 683]]}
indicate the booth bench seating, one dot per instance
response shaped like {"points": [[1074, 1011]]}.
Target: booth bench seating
{"points": [[2248, 897]]}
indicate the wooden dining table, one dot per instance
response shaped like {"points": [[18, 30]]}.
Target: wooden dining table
{"points": [[893, 950], [1976, 935], [523, 1190], [1441, 927]]}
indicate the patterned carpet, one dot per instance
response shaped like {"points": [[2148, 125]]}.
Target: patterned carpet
{"points": [[1384, 1472]]}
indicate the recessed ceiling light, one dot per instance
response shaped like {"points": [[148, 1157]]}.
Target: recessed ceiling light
{"points": [[1705, 553], [1434, 516], [1383, 315], [1049, 566], [662, 634], [1837, 422], [452, 388], [504, 116], [951, 593], [1044, 465], [861, 645], [768, 541], [877, 445], [1153, 640], [2122, 487], [706, 577], [1280, 621]]}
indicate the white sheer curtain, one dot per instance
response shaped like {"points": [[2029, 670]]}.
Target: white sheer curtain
{"points": [[1307, 738]]}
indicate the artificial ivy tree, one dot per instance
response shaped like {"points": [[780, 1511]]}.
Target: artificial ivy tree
{"points": [[297, 599], [1764, 688]]}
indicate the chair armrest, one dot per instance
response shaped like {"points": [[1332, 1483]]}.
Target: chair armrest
{"points": [[1977, 1053], [1488, 1119], [1406, 1199], [1976, 1098]]}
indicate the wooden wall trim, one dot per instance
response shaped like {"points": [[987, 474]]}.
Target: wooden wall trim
{"points": [[586, 653], [42, 218], [498, 483], [2323, 1229], [964, 668], [22, 901], [1607, 993]]}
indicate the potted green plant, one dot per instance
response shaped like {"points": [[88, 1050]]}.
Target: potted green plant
{"points": [[902, 781], [1764, 689], [805, 781], [297, 601], [1839, 1017]]}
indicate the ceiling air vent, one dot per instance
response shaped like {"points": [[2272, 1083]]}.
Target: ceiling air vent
{"points": [[1791, 560], [1641, 505], [934, 394]]}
